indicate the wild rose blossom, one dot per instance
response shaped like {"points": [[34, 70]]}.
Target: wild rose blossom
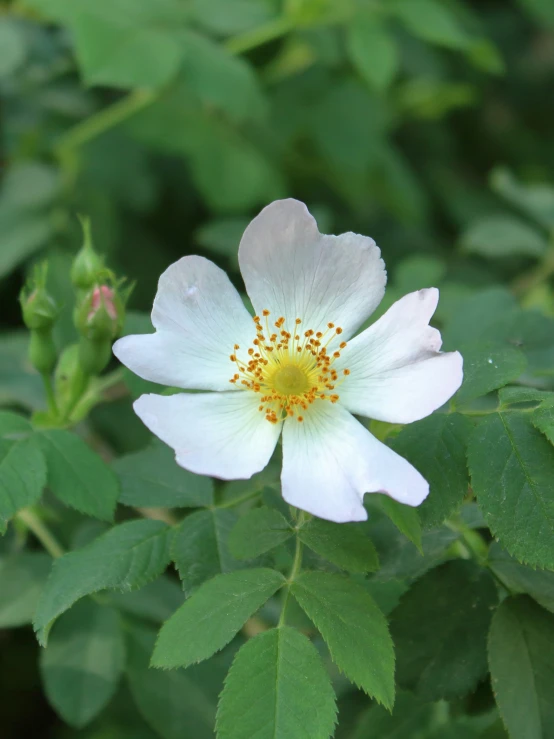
{"points": [[296, 368]]}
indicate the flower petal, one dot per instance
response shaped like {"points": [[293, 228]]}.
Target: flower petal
{"points": [[330, 460], [217, 434], [397, 373], [294, 271], [198, 316]]}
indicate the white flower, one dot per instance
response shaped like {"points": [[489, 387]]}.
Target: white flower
{"points": [[295, 367]]}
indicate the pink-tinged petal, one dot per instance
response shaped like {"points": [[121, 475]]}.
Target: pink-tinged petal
{"points": [[397, 373], [218, 434], [294, 271], [330, 460], [199, 317]]}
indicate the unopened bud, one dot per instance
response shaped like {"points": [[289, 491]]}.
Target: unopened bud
{"points": [[101, 313], [87, 265], [38, 307]]}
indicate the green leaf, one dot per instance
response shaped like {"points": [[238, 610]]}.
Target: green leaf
{"points": [[126, 557], [404, 517], [223, 18], [399, 557], [12, 43], [354, 629], [521, 658], [22, 466], [436, 446], [77, 475], [22, 577], [28, 191], [211, 617], [19, 383], [344, 544], [291, 695], [503, 236], [83, 663], [535, 200], [543, 419], [509, 396], [151, 477], [258, 531], [172, 700], [488, 366], [127, 43], [476, 315], [373, 51], [443, 620], [518, 578], [410, 717], [431, 21], [221, 79], [155, 602], [199, 547], [512, 468]]}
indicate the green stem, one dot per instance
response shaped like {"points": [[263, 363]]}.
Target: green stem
{"points": [[258, 36], [104, 120], [295, 569], [50, 396], [41, 531]]}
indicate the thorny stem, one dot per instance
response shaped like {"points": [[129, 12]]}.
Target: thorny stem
{"points": [[296, 567], [41, 531]]}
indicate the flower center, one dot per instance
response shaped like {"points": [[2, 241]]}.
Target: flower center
{"points": [[290, 380], [289, 369]]}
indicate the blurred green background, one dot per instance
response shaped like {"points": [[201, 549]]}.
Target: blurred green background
{"points": [[427, 124]]}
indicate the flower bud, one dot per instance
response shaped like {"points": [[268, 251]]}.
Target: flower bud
{"points": [[99, 319], [38, 307], [101, 313], [87, 265]]}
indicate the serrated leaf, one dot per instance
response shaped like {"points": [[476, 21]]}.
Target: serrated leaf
{"points": [[436, 446], [509, 396], [199, 547], [77, 475], [152, 478], [171, 701], [488, 366], [404, 517], [126, 557], [440, 630], [512, 468], [83, 663], [354, 629], [521, 658], [344, 544], [543, 419], [399, 558], [290, 697], [373, 51], [22, 475], [211, 617], [518, 578], [258, 531], [22, 577]]}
